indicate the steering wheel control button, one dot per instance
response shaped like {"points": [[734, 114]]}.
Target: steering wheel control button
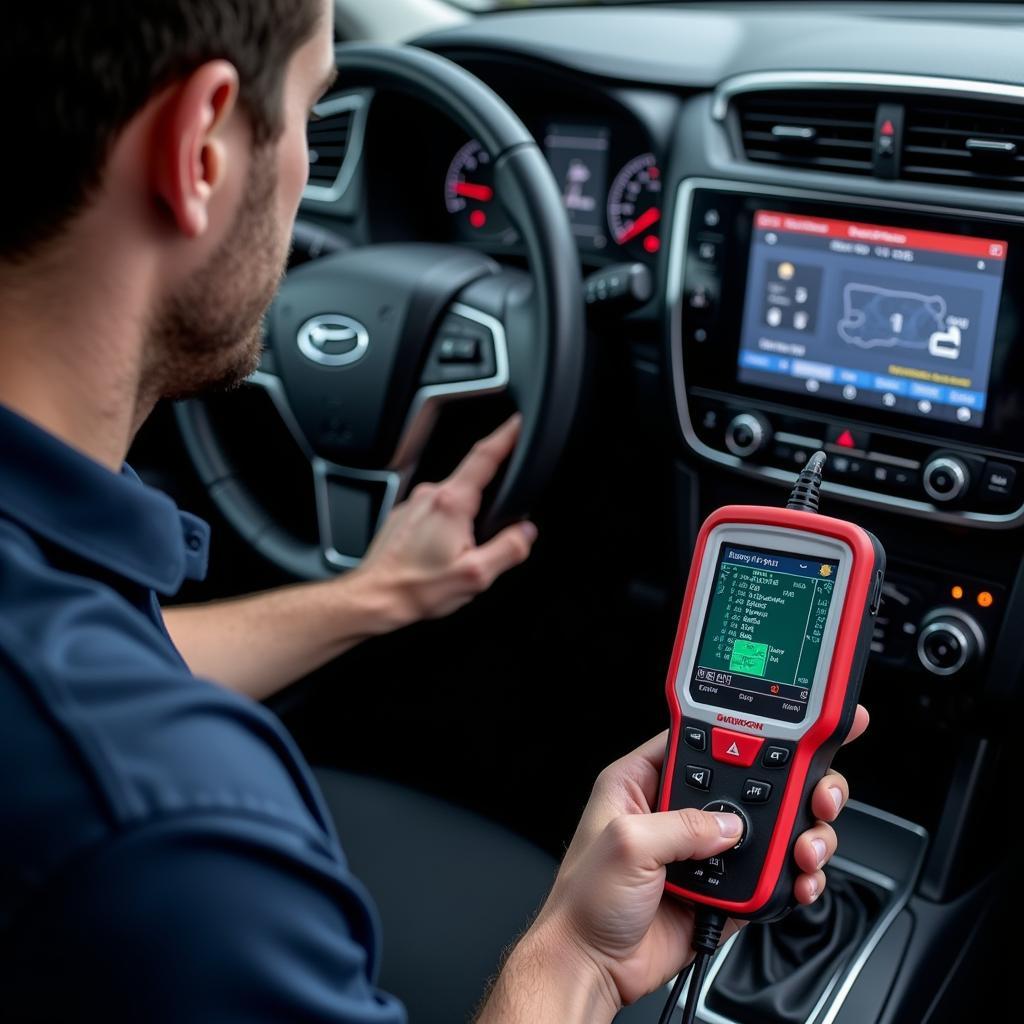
{"points": [[695, 737], [775, 757], [747, 434], [728, 807], [459, 350], [698, 776], [462, 351], [945, 479], [756, 792], [735, 747]]}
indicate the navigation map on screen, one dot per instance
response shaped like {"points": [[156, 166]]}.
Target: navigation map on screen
{"points": [[888, 317]]}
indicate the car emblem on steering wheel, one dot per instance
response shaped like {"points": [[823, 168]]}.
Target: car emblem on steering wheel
{"points": [[333, 340]]}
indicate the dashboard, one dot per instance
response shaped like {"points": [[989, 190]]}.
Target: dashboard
{"points": [[826, 201], [605, 148]]}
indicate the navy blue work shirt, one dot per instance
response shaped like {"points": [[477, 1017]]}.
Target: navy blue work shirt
{"points": [[164, 852]]}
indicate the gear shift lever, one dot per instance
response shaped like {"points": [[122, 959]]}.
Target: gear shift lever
{"points": [[776, 973]]}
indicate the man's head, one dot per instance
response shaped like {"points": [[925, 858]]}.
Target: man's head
{"points": [[175, 131]]}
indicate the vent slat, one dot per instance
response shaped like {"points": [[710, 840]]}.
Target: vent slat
{"points": [[843, 133], [936, 143], [328, 140]]}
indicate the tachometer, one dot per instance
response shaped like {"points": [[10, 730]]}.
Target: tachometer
{"points": [[469, 195], [634, 204]]}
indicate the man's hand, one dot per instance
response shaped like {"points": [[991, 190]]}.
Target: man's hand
{"points": [[606, 917], [425, 558], [423, 564]]}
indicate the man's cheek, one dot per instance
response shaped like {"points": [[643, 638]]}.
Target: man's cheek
{"points": [[294, 174]]}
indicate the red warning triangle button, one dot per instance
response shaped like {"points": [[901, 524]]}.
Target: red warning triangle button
{"points": [[845, 440], [734, 747], [888, 127]]}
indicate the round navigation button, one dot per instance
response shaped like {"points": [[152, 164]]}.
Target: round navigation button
{"points": [[728, 807]]}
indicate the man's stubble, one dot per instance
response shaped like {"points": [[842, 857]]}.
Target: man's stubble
{"points": [[208, 337]]}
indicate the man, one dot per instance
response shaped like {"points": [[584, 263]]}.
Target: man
{"points": [[165, 854]]}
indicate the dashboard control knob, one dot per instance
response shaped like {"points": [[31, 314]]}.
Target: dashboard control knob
{"points": [[948, 641], [945, 478], [747, 434]]}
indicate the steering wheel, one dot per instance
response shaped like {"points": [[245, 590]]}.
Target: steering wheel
{"points": [[364, 346]]}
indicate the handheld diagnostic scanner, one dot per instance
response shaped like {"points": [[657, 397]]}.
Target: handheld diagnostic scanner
{"points": [[774, 635]]}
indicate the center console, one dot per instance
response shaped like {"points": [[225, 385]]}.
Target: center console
{"points": [[880, 332]]}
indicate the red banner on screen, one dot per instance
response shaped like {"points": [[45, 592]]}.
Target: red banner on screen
{"points": [[879, 234]]}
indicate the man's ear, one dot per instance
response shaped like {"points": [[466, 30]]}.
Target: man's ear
{"points": [[191, 153]]}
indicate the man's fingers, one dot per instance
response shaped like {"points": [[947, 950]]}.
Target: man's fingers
{"points": [[815, 847], [861, 720], [654, 840], [830, 796], [511, 547], [484, 460], [808, 888]]}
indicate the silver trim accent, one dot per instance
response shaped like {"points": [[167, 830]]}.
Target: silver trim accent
{"points": [[757, 434], [322, 472], [322, 469], [837, 990], [318, 330], [354, 148], [675, 292], [427, 402], [418, 424], [761, 81], [956, 467], [805, 442], [957, 633]]}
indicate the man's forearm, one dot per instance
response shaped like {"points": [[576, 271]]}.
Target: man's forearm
{"points": [[259, 644], [546, 981]]}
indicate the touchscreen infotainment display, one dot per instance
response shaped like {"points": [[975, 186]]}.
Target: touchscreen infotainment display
{"points": [[891, 318]]}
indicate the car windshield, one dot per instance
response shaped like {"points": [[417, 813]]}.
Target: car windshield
{"points": [[483, 6]]}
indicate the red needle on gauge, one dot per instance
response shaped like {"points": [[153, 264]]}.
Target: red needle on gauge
{"points": [[468, 190], [646, 220]]}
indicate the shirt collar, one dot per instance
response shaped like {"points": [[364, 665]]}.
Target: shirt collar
{"points": [[112, 520]]}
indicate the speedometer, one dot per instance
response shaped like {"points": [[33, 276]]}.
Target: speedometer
{"points": [[634, 203], [469, 195]]}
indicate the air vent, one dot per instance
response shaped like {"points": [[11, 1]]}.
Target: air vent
{"points": [[962, 142], [332, 141], [831, 132]]}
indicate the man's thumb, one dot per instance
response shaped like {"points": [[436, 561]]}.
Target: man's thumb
{"points": [[686, 834]]}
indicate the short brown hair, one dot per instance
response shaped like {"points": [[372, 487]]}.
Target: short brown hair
{"points": [[74, 72]]}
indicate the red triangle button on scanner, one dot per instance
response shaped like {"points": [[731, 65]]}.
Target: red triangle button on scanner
{"points": [[735, 747]]}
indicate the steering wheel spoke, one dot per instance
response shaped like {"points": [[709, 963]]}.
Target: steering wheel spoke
{"points": [[351, 505], [468, 358]]}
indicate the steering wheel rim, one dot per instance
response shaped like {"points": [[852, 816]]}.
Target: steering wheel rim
{"points": [[542, 336]]}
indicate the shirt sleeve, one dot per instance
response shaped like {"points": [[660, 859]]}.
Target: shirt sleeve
{"points": [[227, 923]]}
